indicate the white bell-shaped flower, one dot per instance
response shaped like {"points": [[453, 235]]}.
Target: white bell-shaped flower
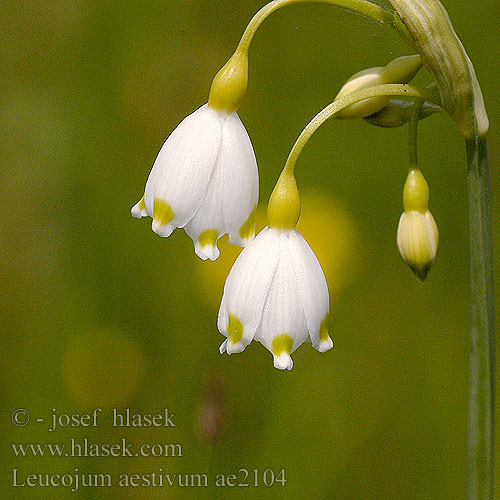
{"points": [[204, 179], [276, 293]]}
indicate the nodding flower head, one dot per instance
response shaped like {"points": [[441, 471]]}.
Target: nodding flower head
{"points": [[205, 176], [205, 180], [276, 294]]}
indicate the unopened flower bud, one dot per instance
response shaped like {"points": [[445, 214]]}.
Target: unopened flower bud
{"points": [[417, 235], [398, 112], [400, 70]]}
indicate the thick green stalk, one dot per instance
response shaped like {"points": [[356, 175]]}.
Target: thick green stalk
{"points": [[482, 356]]}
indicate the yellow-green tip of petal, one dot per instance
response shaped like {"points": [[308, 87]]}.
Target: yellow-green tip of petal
{"points": [[282, 343], [247, 229], [323, 329], [234, 329], [208, 237], [416, 192], [230, 84], [283, 210], [162, 212]]}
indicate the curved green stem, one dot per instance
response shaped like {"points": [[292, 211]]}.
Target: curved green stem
{"points": [[482, 357], [328, 112], [413, 131], [363, 7]]}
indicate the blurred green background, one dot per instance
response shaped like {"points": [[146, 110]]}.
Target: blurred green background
{"points": [[98, 311]]}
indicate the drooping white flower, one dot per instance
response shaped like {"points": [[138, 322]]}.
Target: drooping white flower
{"points": [[204, 179], [276, 293]]}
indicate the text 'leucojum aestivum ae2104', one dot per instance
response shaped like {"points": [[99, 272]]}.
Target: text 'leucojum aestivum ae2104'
{"points": [[205, 177]]}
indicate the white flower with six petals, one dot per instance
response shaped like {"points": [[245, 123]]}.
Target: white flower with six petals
{"points": [[276, 293], [204, 179]]}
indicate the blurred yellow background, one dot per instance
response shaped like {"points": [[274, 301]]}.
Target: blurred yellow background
{"points": [[98, 311]]}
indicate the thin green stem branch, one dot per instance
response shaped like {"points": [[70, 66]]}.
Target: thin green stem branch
{"points": [[395, 89], [413, 131], [364, 7], [482, 356]]}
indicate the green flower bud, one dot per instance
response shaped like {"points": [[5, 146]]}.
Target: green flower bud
{"points": [[400, 70], [418, 234], [418, 241], [398, 112]]}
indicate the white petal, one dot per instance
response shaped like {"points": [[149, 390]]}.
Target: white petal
{"points": [[206, 251], [312, 287], [139, 210], [283, 361], [283, 327], [241, 179], [163, 230], [209, 218], [184, 165], [223, 347], [247, 286], [232, 192], [324, 345]]}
